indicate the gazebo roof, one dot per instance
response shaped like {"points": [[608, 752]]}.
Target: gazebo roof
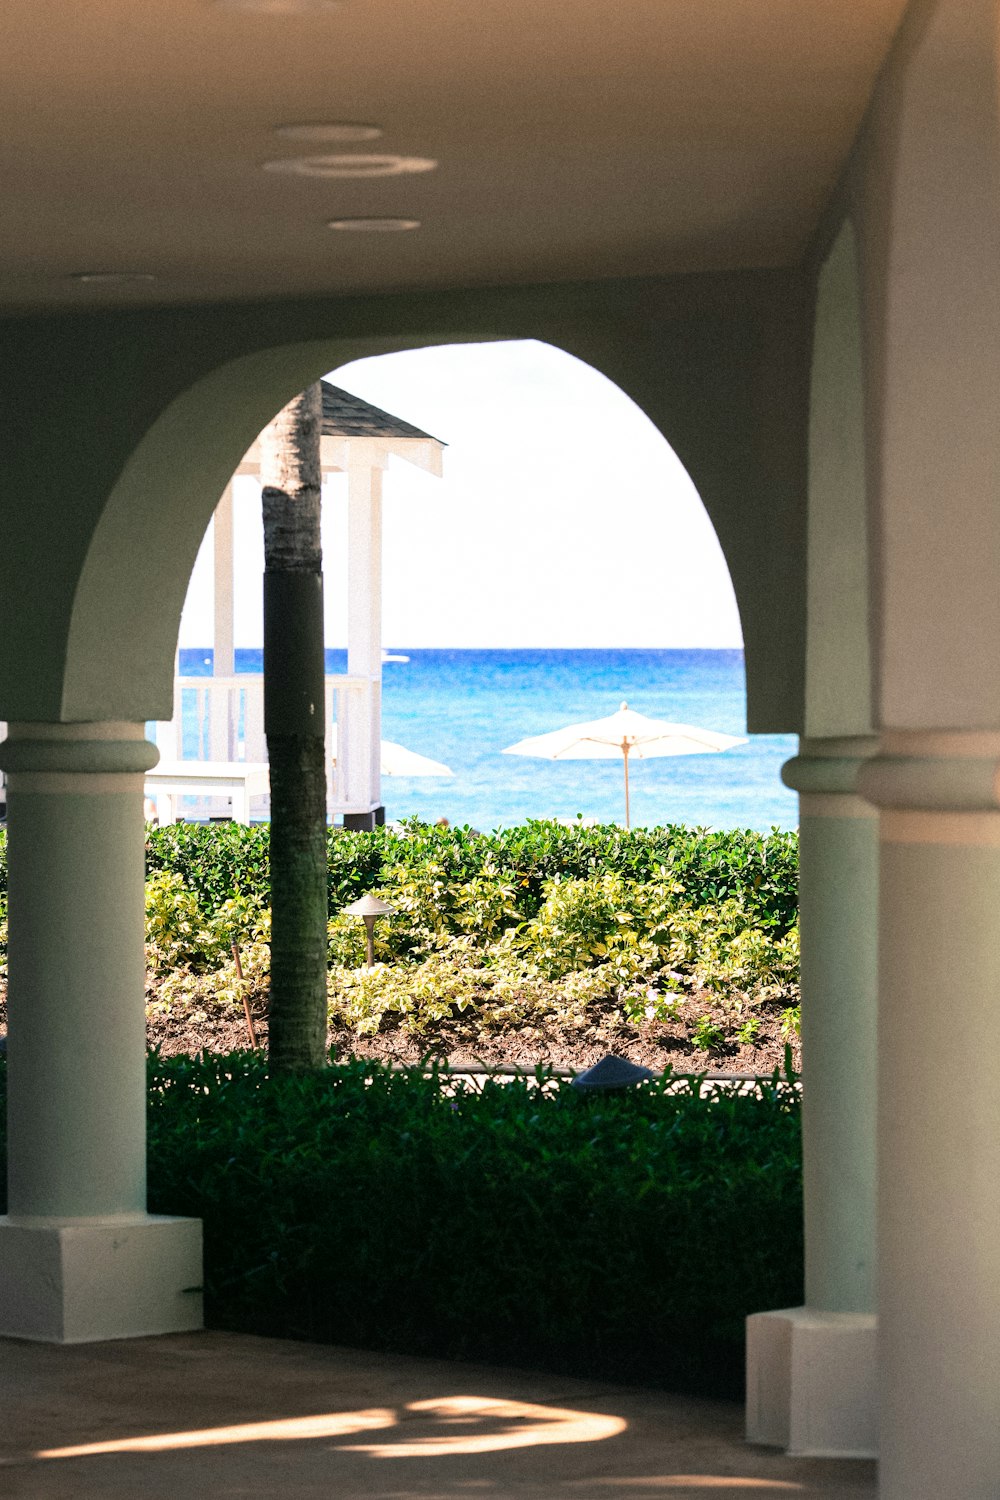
{"points": [[345, 415]]}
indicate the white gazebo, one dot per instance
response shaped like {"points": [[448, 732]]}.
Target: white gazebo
{"points": [[358, 440]]}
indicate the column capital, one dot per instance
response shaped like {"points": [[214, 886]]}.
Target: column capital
{"points": [[936, 786], [825, 774], [943, 771], [85, 750]]}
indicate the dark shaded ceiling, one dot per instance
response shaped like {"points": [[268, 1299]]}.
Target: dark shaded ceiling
{"points": [[580, 138]]}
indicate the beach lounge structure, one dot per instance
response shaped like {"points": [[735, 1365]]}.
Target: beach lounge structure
{"points": [[358, 439], [775, 226]]}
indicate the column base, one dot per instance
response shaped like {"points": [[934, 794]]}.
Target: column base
{"points": [[365, 822], [75, 1283], [811, 1383]]}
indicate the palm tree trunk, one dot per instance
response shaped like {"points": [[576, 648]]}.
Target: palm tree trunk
{"points": [[294, 725]]}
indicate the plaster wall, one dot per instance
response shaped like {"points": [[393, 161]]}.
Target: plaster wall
{"points": [[921, 188], [838, 648], [123, 427]]}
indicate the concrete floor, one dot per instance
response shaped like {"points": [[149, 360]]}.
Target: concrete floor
{"points": [[224, 1415]]}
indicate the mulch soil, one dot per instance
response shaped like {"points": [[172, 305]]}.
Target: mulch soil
{"points": [[655, 1045]]}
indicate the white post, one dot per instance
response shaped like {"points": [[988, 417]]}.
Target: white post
{"points": [[939, 1120], [364, 596], [223, 655], [222, 726], [811, 1370], [80, 1258]]}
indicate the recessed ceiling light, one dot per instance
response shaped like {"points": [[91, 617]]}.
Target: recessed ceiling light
{"points": [[344, 165], [279, 7], [374, 226], [111, 277], [344, 131]]}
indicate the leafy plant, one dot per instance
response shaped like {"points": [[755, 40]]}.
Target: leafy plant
{"points": [[179, 934], [748, 1031], [581, 921], [791, 1022], [707, 1034], [652, 1005]]}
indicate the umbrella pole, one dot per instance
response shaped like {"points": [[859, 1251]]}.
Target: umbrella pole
{"points": [[625, 754]]}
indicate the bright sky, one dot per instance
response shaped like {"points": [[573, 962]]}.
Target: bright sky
{"points": [[563, 518]]}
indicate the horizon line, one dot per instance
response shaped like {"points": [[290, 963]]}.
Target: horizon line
{"points": [[394, 646]]}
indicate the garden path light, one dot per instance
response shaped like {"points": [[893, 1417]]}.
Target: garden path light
{"points": [[612, 1073], [369, 908]]}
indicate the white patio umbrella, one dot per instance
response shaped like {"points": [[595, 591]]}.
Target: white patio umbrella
{"points": [[397, 760], [628, 734]]}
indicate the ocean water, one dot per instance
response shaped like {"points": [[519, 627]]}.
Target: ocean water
{"points": [[463, 707]]}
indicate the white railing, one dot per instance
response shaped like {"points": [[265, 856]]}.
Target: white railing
{"points": [[221, 720], [353, 736], [215, 718]]}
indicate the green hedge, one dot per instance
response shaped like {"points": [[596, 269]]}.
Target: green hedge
{"points": [[618, 1236], [220, 860]]}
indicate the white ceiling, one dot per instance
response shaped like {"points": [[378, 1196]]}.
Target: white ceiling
{"points": [[576, 138]]}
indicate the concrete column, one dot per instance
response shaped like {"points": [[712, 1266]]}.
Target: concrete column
{"points": [[939, 1112], [811, 1370], [79, 1257]]}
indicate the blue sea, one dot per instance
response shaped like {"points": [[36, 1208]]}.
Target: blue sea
{"points": [[463, 707]]}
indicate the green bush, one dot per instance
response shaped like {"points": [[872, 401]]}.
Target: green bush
{"points": [[621, 1237], [224, 859], [618, 1237], [214, 860], [180, 934], [532, 922]]}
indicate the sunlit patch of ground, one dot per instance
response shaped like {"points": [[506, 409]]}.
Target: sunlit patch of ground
{"points": [[462, 1424]]}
